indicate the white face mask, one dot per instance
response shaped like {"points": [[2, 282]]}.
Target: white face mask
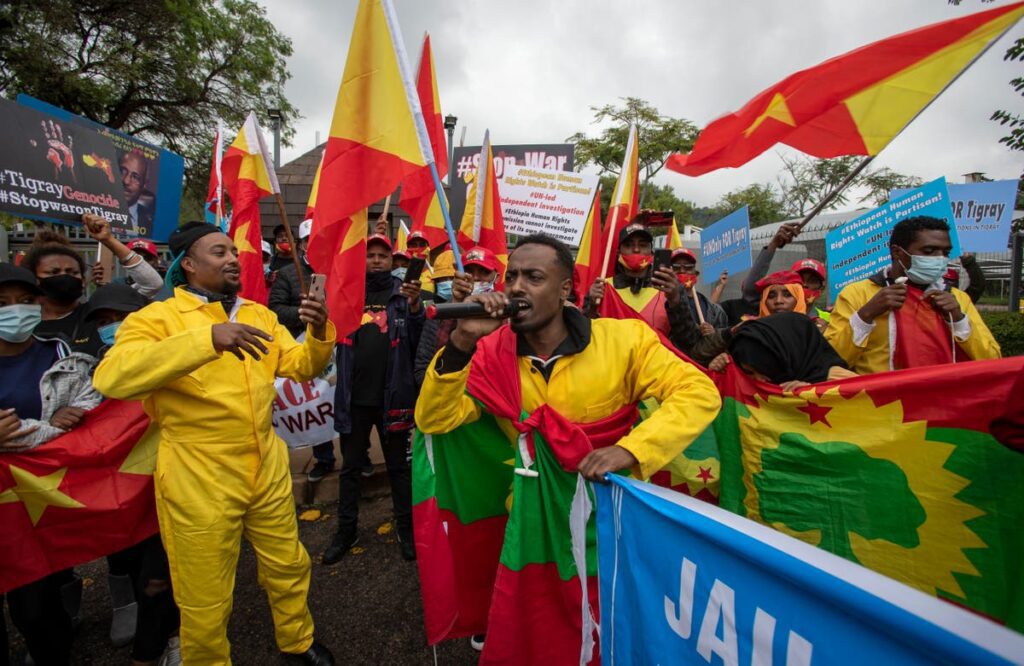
{"points": [[18, 321], [483, 287]]}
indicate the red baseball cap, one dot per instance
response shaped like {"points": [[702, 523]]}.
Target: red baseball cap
{"points": [[143, 245], [379, 238], [684, 251], [778, 277], [416, 235], [401, 253], [953, 275], [483, 257], [809, 265]]}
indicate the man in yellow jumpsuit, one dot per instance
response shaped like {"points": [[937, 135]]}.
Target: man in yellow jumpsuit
{"points": [[204, 363], [903, 317]]}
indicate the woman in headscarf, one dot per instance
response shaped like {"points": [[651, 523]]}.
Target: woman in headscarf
{"points": [[781, 291], [787, 349]]}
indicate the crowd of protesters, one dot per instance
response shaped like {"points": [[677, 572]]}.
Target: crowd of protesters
{"points": [[208, 351]]}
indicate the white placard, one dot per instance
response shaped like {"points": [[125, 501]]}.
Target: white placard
{"points": [[535, 200]]}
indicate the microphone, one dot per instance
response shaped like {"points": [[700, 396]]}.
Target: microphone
{"points": [[471, 310]]}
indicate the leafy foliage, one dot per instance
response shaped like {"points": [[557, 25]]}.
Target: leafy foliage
{"points": [[659, 137], [766, 206], [1008, 330], [163, 71]]}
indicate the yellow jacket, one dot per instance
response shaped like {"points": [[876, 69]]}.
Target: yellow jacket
{"points": [[873, 355], [624, 363], [164, 355]]}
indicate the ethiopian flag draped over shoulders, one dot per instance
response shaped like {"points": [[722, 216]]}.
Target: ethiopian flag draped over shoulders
{"points": [[85, 494], [896, 471]]}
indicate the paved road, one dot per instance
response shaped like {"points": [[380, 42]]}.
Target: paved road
{"points": [[366, 608]]}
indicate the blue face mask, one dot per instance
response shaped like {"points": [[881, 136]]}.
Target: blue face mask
{"points": [[924, 269], [18, 321], [399, 273], [443, 290], [107, 332]]}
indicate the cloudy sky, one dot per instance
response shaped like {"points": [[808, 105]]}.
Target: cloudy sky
{"points": [[530, 70]]}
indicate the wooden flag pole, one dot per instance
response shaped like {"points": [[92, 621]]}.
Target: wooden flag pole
{"points": [[291, 241], [850, 177], [696, 301], [608, 242]]}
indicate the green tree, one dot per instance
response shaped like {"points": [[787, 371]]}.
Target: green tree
{"points": [[656, 197], [838, 489], [162, 71], [805, 181], [765, 204], [659, 136]]}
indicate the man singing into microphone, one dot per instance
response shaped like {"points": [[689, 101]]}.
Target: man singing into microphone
{"points": [[573, 383]]}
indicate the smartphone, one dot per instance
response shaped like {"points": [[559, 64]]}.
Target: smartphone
{"points": [[317, 287], [415, 269], [662, 259]]}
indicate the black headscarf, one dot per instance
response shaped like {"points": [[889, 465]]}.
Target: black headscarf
{"points": [[785, 346]]}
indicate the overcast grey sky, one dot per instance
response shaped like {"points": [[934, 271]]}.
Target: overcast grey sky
{"points": [[530, 70]]}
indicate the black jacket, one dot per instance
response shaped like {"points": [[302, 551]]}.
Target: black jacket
{"points": [[404, 328], [285, 297]]}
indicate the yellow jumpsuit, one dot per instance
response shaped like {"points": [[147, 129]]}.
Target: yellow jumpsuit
{"points": [[624, 363], [221, 469], [872, 354]]}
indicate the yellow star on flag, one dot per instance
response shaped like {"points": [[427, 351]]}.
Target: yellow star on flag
{"points": [[242, 239], [38, 492], [777, 110]]}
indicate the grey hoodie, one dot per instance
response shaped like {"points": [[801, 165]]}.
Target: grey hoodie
{"points": [[68, 383]]}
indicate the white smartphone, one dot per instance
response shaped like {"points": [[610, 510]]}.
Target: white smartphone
{"points": [[318, 287]]}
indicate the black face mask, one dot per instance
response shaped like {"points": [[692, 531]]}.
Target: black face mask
{"points": [[62, 288], [379, 281]]}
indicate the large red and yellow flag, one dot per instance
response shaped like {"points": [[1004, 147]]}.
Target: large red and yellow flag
{"points": [[482, 221], [852, 104], [377, 139], [591, 252], [248, 174], [625, 201], [419, 196], [83, 495]]}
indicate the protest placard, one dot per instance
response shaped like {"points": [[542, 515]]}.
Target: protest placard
{"points": [[148, 178], [557, 156], [683, 581], [982, 212], [304, 411], [725, 246], [860, 248], [535, 200]]}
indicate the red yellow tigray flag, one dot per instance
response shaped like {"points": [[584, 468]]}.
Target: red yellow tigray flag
{"points": [[855, 103], [674, 240], [377, 138], [591, 252], [311, 204], [248, 174], [402, 241], [482, 221], [624, 203], [215, 191], [418, 196]]}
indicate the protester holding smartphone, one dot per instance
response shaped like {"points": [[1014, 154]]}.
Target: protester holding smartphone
{"points": [[375, 389], [285, 298]]}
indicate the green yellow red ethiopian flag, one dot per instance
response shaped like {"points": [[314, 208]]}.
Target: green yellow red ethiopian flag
{"points": [[852, 104]]}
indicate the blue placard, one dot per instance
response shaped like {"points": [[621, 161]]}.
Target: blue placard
{"points": [[685, 582], [725, 246], [983, 213], [154, 214], [860, 248]]}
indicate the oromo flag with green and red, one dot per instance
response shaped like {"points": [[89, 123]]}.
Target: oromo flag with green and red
{"points": [[898, 472]]}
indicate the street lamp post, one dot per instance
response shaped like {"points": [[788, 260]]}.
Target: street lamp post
{"points": [[449, 124], [275, 120]]}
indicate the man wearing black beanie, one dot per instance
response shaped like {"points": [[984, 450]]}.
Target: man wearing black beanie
{"points": [[221, 469]]}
